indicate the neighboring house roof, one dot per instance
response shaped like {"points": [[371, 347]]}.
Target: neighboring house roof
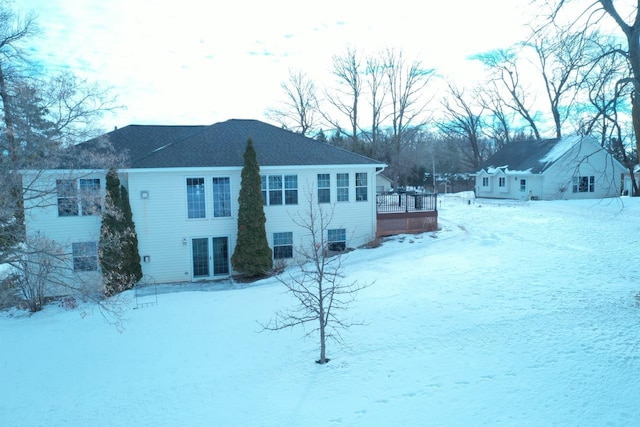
{"points": [[529, 156], [222, 144]]}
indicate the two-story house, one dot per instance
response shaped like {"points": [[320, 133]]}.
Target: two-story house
{"points": [[183, 184]]}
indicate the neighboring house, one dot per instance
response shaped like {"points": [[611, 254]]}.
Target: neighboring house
{"points": [[183, 184], [568, 168], [627, 188], [383, 184]]}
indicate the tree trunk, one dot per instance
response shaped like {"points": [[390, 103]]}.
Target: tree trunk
{"points": [[322, 319]]}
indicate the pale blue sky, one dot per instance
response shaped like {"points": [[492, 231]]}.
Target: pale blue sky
{"points": [[198, 62]]}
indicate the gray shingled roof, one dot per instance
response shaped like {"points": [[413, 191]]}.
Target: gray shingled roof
{"points": [[223, 144], [522, 156]]}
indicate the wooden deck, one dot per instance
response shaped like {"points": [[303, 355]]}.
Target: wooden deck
{"points": [[406, 214]]}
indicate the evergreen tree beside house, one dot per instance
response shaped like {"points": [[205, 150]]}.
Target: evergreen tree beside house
{"points": [[118, 249], [252, 256]]}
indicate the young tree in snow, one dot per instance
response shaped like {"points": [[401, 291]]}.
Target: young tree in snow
{"points": [[118, 249], [318, 286], [252, 255]]}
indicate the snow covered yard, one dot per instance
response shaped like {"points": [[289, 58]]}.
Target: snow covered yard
{"points": [[518, 314]]}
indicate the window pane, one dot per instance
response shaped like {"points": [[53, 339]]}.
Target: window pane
{"points": [[324, 195], [361, 187], [200, 257], [291, 189], [282, 252], [90, 200], [291, 181], [67, 197], [196, 207], [324, 191], [275, 182], [343, 179], [283, 238], [275, 197], [221, 197], [85, 256], [584, 184], [291, 197], [263, 186], [324, 180], [275, 189], [220, 256], [337, 239], [282, 245]]}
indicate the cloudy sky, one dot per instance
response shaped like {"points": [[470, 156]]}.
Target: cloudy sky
{"points": [[199, 62]]}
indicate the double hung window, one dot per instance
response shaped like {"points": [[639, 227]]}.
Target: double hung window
{"points": [[221, 197], [337, 239], [342, 183], [282, 245], [361, 187], [279, 189], [196, 201], [85, 256], [79, 197], [324, 188]]}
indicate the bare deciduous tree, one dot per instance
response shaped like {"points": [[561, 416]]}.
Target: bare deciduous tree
{"points": [[560, 55], [318, 286], [626, 16], [407, 81], [377, 91], [500, 119], [299, 109], [346, 98], [42, 117], [463, 119], [505, 75]]}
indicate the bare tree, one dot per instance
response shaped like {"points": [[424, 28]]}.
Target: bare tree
{"points": [[560, 55], [605, 96], [626, 16], [42, 117], [505, 75], [377, 92], [40, 266], [407, 81], [346, 99], [500, 119], [299, 109], [318, 286], [464, 120]]}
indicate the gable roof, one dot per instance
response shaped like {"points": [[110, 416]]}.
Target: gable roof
{"points": [[223, 144], [530, 156]]}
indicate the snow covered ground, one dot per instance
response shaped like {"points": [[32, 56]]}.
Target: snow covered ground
{"points": [[516, 314]]}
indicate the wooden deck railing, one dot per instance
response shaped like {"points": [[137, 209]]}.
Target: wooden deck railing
{"points": [[406, 213]]}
